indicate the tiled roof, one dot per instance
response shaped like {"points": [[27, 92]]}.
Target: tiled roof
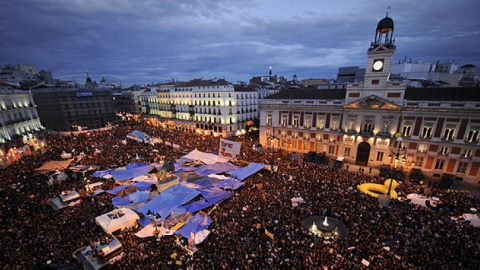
{"points": [[443, 94], [309, 94]]}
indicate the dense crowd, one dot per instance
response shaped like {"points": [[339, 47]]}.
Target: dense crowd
{"points": [[400, 236]]}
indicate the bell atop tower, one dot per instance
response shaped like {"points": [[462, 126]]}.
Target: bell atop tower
{"points": [[384, 34]]}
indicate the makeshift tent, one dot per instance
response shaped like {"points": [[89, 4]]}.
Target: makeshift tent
{"points": [[69, 196], [127, 191], [120, 201], [473, 218], [208, 182], [54, 165], [126, 174], [139, 136], [83, 168], [197, 223], [143, 185], [215, 168], [116, 190], [245, 172], [196, 206], [168, 200], [231, 183], [205, 157], [188, 176], [137, 165], [139, 196], [102, 173], [215, 195], [117, 219]]}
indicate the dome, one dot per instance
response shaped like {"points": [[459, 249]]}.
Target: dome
{"points": [[385, 25]]}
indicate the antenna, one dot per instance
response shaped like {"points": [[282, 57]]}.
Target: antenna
{"points": [[388, 8]]}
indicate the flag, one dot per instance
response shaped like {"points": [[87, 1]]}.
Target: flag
{"points": [[269, 234]]}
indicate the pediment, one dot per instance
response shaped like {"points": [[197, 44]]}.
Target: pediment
{"points": [[373, 102]]}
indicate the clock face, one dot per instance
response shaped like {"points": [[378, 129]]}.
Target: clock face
{"points": [[378, 65]]}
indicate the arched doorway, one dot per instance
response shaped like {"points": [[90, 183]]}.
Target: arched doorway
{"points": [[363, 152]]}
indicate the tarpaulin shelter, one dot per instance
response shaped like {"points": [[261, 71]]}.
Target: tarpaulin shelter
{"points": [[215, 168], [205, 157], [208, 182], [169, 199], [126, 174], [116, 190], [197, 223], [137, 165], [245, 172], [215, 195], [117, 219], [188, 176], [231, 183], [54, 165], [102, 173], [139, 136]]}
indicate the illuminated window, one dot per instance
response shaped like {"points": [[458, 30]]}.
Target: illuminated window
{"points": [[449, 133], [284, 120], [462, 167], [472, 136], [379, 156], [296, 120], [407, 129], [321, 123], [308, 122], [347, 151], [427, 131], [422, 148], [269, 119], [443, 150], [439, 164]]}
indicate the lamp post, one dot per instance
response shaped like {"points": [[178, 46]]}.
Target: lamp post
{"points": [[273, 139], [397, 158]]}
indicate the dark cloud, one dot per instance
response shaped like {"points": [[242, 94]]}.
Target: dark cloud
{"points": [[147, 41]]}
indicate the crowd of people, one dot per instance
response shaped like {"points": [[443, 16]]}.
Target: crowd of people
{"points": [[400, 236]]}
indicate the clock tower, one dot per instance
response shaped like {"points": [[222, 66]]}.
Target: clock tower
{"points": [[380, 54]]}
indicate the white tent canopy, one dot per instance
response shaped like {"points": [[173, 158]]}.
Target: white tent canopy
{"points": [[205, 157], [117, 219]]}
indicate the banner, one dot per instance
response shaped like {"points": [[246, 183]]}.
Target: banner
{"points": [[229, 149]]}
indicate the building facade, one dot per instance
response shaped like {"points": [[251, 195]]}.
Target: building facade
{"points": [[213, 107], [69, 109], [380, 122], [20, 130]]}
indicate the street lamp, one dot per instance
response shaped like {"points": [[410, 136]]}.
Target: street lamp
{"points": [[273, 139], [397, 158]]}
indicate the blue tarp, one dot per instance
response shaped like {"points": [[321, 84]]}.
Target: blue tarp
{"points": [[208, 182], [196, 206], [215, 195], [137, 165], [140, 136], [231, 183], [102, 173], [125, 174], [169, 199], [115, 190], [197, 223], [143, 185], [144, 221], [139, 196], [245, 172], [120, 201], [215, 168]]}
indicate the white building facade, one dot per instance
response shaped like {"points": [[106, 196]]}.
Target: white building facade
{"points": [[20, 130], [213, 107]]}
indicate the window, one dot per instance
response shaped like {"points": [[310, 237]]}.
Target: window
{"points": [[318, 147], [472, 136], [331, 149], [462, 167], [296, 120], [422, 148], [294, 144], [385, 126], [306, 145], [284, 120], [419, 161], [295, 135], [269, 119], [284, 133], [467, 153], [347, 151], [439, 164], [427, 131], [449, 133], [407, 129], [320, 123], [368, 126], [379, 156], [334, 125], [351, 124], [308, 122], [443, 150]]}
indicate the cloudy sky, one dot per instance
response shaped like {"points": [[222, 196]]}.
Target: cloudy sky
{"points": [[147, 41]]}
